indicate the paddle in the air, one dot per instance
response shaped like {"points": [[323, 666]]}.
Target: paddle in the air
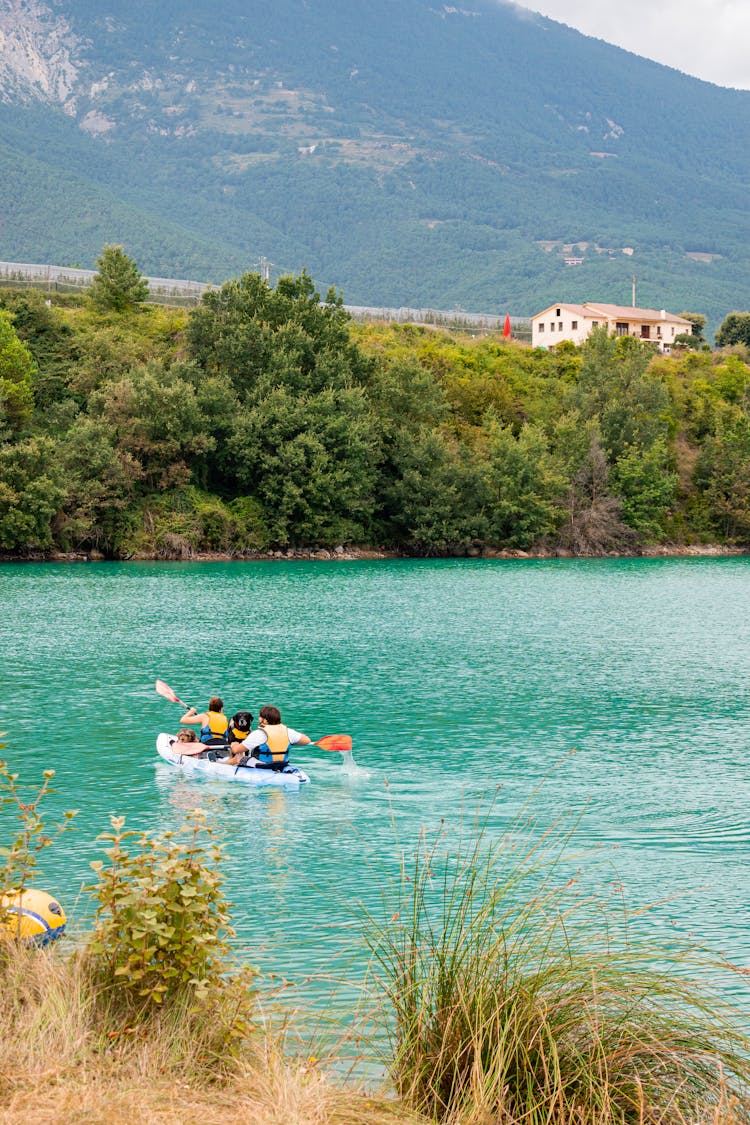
{"points": [[166, 691]]}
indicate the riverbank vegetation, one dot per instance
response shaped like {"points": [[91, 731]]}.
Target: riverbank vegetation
{"points": [[503, 990], [266, 420]]}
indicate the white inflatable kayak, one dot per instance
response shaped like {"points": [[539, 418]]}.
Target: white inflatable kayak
{"points": [[168, 748]]}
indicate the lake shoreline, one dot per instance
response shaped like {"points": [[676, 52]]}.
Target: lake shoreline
{"points": [[354, 554]]}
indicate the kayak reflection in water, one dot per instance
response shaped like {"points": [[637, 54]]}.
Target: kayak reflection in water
{"points": [[268, 747]]}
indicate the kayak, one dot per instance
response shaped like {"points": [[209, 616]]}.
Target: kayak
{"points": [[167, 748]]}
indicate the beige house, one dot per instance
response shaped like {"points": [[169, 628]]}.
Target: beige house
{"points": [[574, 322]]}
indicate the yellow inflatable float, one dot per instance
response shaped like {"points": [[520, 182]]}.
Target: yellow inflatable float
{"points": [[31, 916]]}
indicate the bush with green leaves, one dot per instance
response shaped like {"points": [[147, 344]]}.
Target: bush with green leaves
{"points": [[31, 492], [162, 926], [17, 369]]}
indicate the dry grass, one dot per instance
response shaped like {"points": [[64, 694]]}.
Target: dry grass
{"points": [[61, 1062]]}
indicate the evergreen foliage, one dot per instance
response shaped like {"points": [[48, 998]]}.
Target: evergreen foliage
{"points": [[118, 286], [265, 419]]}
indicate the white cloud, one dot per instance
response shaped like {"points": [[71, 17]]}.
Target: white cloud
{"points": [[706, 38]]}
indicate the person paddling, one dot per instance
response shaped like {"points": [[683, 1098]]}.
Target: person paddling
{"points": [[267, 748], [213, 723]]}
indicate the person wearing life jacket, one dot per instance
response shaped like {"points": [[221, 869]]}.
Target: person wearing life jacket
{"points": [[267, 748], [213, 723]]}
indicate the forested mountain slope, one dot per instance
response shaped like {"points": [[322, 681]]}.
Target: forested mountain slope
{"points": [[407, 152]]}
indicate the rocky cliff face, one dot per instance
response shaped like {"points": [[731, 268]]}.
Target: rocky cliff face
{"points": [[39, 55]]}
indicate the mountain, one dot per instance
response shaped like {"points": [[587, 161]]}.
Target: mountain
{"points": [[406, 151]]}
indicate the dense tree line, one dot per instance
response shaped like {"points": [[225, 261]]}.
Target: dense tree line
{"points": [[266, 419]]}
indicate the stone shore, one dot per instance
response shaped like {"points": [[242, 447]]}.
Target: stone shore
{"points": [[348, 554]]}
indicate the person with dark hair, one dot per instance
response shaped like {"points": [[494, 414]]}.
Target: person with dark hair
{"points": [[267, 748], [213, 723]]}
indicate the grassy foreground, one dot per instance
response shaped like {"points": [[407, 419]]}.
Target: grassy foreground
{"points": [[501, 992], [62, 1061]]}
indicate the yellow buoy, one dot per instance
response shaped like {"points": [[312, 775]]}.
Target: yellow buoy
{"points": [[31, 916]]}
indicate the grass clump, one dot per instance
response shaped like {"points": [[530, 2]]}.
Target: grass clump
{"points": [[510, 999]]}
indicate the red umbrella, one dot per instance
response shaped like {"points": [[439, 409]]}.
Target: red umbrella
{"points": [[506, 327]]}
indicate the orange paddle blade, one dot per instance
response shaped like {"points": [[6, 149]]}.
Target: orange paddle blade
{"points": [[339, 742]]}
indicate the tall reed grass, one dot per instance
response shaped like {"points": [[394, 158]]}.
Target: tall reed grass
{"points": [[513, 996]]}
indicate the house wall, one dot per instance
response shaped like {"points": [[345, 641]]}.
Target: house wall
{"points": [[549, 329], [561, 323]]}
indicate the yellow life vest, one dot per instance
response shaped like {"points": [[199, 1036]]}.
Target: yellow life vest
{"points": [[216, 727], [276, 747]]}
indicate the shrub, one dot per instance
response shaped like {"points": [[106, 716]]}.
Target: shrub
{"points": [[162, 923], [180, 523]]}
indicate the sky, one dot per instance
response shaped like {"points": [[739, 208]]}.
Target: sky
{"points": [[706, 38]]}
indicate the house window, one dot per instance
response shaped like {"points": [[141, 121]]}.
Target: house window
{"points": [[541, 327], [552, 326], [573, 325], [557, 313], [621, 327], [673, 331], [594, 323], [645, 332], [658, 331]]}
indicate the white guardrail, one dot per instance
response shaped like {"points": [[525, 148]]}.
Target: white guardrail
{"points": [[174, 291]]}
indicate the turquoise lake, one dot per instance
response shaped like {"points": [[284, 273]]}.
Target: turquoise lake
{"points": [[454, 677]]}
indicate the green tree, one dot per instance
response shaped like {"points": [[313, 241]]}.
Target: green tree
{"points": [[101, 481], [615, 389], [118, 285], [304, 442], [698, 322], [433, 493], [31, 492], [646, 484], [690, 342], [734, 329], [722, 475], [311, 462], [50, 340], [248, 330], [526, 483], [156, 419], [16, 374], [439, 499]]}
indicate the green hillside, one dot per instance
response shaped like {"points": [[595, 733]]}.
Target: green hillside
{"points": [[405, 153]]}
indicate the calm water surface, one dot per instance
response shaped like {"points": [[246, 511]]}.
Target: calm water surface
{"points": [[453, 677]]}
